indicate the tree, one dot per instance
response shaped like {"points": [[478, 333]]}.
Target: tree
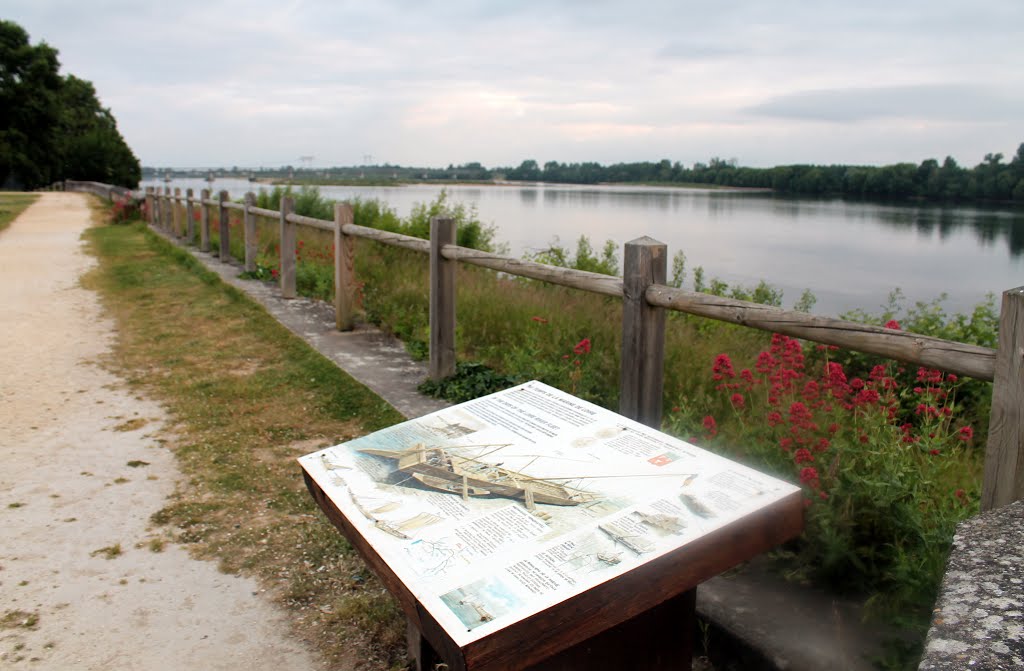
{"points": [[93, 149], [29, 109], [54, 128]]}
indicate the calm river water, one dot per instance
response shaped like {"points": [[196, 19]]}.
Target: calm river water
{"points": [[849, 254]]}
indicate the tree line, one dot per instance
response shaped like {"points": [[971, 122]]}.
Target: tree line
{"points": [[992, 179], [53, 127]]}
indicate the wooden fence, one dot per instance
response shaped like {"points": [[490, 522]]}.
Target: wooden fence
{"points": [[645, 298]]}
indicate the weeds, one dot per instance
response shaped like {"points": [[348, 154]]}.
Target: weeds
{"points": [[109, 552], [13, 204]]}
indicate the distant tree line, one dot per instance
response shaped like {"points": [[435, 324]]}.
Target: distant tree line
{"points": [[52, 127], [992, 179]]}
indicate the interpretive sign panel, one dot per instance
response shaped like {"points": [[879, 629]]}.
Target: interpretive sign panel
{"points": [[496, 509]]}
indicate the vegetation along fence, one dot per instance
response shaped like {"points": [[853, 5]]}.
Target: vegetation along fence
{"points": [[645, 297]]}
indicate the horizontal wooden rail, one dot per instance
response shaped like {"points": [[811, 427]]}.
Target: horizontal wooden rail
{"points": [[950, 356], [597, 283], [264, 212], [311, 222], [387, 238]]}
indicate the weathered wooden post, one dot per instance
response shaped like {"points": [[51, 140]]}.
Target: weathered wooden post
{"points": [[1004, 454], [442, 300], [158, 220], [287, 246], [176, 209], [344, 270], [204, 220], [222, 227], [251, 246], [190, 223], [645, 262], [165, 212], [150, 215]]}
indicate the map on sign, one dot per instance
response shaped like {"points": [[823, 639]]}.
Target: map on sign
{"points": [[495, 509]]}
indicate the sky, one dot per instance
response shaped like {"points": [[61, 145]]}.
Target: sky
{"points": [[197, 83]]}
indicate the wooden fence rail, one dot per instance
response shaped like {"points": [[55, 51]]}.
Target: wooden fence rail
{"points": [[645, 299]]}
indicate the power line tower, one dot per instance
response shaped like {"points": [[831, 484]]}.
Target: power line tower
{"points": [[306, 161]]}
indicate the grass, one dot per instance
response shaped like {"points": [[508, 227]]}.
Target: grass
{"points": [[245, 398], [12, 204], [14, 619], [109, 552]]}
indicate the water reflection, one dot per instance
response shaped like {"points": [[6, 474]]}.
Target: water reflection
{"points": [[851, 254]]}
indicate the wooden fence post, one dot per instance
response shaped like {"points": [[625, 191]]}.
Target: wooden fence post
{"points": [[165, 210], [149, 206], [645, 262], [204, 221], [176, 209], [222, 227], [251, 246], [190, 224], [442, 300], [287, 246], [157, 220], [344, 270], [1003, 482]]}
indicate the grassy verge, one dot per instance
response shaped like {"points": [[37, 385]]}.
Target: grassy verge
{"points": [[12, 204], [246, 398]]}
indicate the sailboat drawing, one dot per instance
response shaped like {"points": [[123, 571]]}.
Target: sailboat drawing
{"points": [[444, 470]]}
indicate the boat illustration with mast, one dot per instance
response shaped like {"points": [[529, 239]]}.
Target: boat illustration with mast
{"points": [[445, 470]]}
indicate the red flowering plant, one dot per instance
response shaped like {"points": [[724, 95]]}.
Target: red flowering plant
{"points": [[125, 209], [883, 492]]}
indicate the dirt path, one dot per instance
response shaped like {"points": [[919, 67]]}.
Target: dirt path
{"points": [[81, 471]]}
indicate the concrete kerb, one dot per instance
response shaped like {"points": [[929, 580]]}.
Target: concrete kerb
{"points": [[763, 621]]}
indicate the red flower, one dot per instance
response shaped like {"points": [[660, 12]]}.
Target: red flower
{"points": [[774, 418], [582, 347], [737, 400], [711, 426], [892, 324], [934, 453], [866, 397], [809, 476], [722, 367], [803, 455], [966, 433]]}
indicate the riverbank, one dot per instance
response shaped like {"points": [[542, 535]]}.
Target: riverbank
{"points": [[849, 254]]}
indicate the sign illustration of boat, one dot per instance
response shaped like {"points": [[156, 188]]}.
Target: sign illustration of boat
{"points": [[444, 470]]}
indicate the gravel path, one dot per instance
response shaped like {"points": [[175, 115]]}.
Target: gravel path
{"points": [[81, 470]]}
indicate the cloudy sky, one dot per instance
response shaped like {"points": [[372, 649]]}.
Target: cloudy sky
{"points": [[254, 82]]}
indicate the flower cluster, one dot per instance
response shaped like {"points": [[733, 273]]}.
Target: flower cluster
{"points": [[806, 411]]}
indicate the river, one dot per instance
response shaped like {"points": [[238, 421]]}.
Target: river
{"points": [[849, 254]]}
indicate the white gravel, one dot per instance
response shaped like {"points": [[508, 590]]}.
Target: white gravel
{"points": [[66, 491]]}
